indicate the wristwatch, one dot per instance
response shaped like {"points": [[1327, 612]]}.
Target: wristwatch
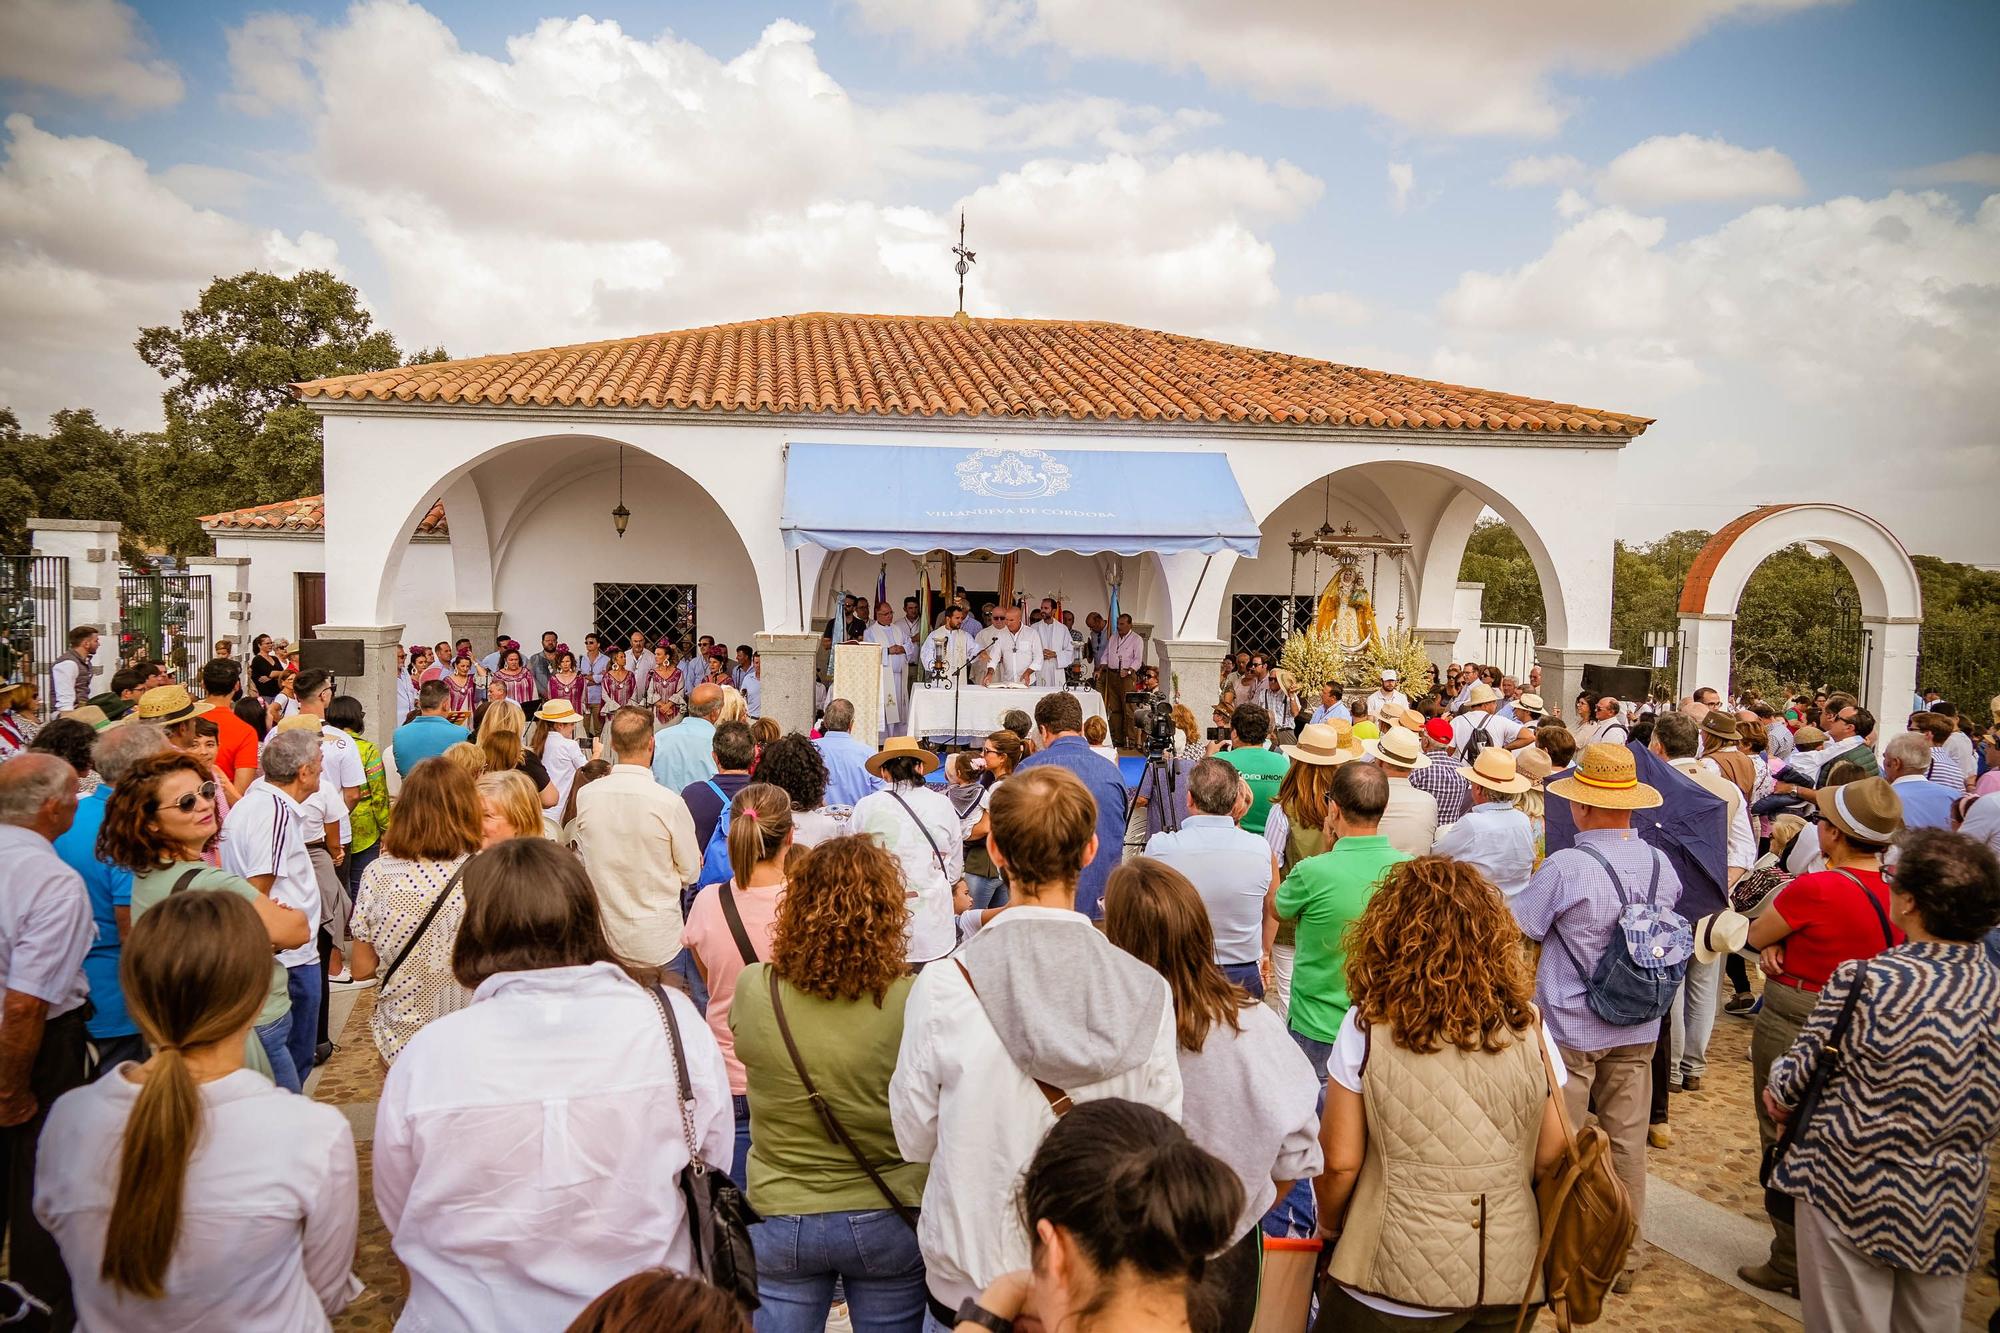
{"points": [[970, 1311]]}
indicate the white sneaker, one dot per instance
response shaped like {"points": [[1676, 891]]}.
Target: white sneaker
{"points": [[343, 978]]}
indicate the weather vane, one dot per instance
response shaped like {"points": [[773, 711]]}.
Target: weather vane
{"points": [[966, 259]]}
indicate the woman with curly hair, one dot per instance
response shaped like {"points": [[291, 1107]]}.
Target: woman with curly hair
{"points": [[793, 764], [1248, 1094], [1440, 1105], [826, 1013]]}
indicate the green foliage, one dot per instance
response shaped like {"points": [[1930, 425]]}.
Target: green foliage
{"points": [[79, 469], [1495, 557]]}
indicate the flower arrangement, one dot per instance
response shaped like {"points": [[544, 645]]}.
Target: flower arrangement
{"points": [[1401, 651], [1314, 658]]}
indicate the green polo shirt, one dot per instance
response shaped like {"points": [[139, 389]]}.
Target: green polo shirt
{"points": [[1264, 770], [1325, 894]]}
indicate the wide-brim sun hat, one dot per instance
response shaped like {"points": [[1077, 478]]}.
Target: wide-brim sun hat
{"points": [[1720, 934], [900, 747], [1720, 725], [1533, 763], [1495, 770], [90, 715], [1411, 720], [1323, 745], [1398, 746], [1868, 809], [1606, 777], [1479, 694], [1531, 704], [557, 712], [165, 705]]}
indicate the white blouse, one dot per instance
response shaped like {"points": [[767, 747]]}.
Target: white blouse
{"points": [[527, 1147], [267, 1220]]}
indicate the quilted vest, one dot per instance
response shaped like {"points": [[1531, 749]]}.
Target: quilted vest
{"points": [[1443, 1215]]}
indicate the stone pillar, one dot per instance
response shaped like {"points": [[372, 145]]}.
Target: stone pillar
{"points": [[1562, 675], [1706, 653], [229, 602], [1442, 645], [1191, 672], [482, 627], [92, 549], [786, 667], [376, 689], [1891, 671]]}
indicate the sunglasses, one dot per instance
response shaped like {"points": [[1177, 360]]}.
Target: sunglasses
{"points": [[187, 803]]}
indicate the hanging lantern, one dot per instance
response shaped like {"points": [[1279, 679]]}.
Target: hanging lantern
{"points": [[621, 515]]}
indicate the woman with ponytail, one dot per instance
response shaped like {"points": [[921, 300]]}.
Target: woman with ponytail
{"points": [[1122, 1212], [188, 1192], [729, 926]]}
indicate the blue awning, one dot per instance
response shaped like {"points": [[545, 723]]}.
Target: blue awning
{"points": [[882, 497]]}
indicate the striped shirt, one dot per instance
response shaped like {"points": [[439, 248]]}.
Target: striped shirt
{"points": [[1945, 769], [265, 834]]}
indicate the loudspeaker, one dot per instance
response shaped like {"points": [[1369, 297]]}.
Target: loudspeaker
{"points": [[1624, 682], [343, 657]]}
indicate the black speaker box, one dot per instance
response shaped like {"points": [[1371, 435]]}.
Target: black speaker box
{"points": [[343, 657], [1631, 683]]}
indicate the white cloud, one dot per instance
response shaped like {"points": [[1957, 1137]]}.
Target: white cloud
{"points": [[1570, 204], [268, 64], [1685, 168], [1972, 169], [1435, 66], [87, 48], [1855, 333], [1402, 181], [1331, 307], [99, 246], [591, 183], [1559, 169]]}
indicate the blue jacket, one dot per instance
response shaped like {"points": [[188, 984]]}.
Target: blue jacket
{"points": [[1107, 787], [110, 887]]}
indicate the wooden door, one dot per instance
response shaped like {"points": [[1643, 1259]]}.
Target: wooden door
{"points": [[311, 603]]}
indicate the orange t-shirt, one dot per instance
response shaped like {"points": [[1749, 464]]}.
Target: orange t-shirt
{"points": [[235, 742]]}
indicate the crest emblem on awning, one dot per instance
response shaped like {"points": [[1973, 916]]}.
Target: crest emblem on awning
{"points": [[1012, 474]]}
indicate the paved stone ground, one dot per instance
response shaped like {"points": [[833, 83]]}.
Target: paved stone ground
{"points": [[1710, 1206]]}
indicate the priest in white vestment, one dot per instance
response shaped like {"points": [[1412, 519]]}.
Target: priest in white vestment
{"points": [[1057, 650], [949, 645], [896, 648], [1012, 652]]}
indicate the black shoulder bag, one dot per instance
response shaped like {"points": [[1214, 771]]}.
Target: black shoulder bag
{"points": [[719, 1217], [1780, 1205], [425, 924], [835, 1131], [187, 878]]}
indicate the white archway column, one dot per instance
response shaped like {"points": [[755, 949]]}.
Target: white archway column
{"points": [[1706, 652], [1892, 672], [376, 689], [1191, 670], [1441, 645], [1195, 584], [471, 565]]}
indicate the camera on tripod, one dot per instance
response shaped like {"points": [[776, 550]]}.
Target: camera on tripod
{"points": [[1154, 719]]}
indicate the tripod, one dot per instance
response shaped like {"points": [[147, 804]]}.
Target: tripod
{"points": [[1157, 780]]}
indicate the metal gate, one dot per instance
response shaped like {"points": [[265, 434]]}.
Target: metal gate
{"points": [[1257, 622], [1509, 647], [164, 618], [34, 619], [652, 609]]}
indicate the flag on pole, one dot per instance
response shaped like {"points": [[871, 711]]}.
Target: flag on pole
{"points": [[1112, 628], [881, 588]]}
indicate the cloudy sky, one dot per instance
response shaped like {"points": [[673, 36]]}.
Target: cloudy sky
{"points": [[1772, 224]]}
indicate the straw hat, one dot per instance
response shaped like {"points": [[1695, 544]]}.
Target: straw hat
{"points": [[1411, 720], [1868, 809], [1721, 933], [1533, 763], [298, 722], [1531, 704], [1398, 746], [900, 747], [1495, 770], [1721, 726], [166, 705], [1323, 745], [557, 711], [1481, 693], [90, 715], [1606, 777]]}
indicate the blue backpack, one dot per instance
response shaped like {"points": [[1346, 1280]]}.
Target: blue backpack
{"points": [[714, 857], [1645, 962]]}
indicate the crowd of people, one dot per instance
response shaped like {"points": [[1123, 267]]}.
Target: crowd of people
{"points": [[957, 1039]]}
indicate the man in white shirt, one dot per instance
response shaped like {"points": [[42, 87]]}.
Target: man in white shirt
{"points": [[45, 930], [993, 1038], [1607, 723], [1677, 739], [1055, 648], [1386, 695], [1011, 652], [637, 841], [1410, 821], [1481, 717], [912, 623], [264, 841], [949, 647], [897, 649], [641, 661], [1492, 834], [72, 672], [1982, 821], [1117, 675]]}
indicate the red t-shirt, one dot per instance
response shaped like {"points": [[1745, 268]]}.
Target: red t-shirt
{"points": [[235, 742], [1831, 922]]}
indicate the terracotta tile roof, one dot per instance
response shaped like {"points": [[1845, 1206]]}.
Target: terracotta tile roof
{"points": [[941, 366], [304, 515]]}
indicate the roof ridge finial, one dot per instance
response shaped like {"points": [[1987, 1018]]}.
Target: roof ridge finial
{"points": [[966, 259]]}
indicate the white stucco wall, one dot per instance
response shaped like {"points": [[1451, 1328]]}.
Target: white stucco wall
{"points": [[421, 594]]}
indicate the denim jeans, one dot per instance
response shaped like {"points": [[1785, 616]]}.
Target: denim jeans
{"points": [[682, 965], [739, 1164], [302, 983], [872, 1252], [276, 1039], [1247, 976], [986, 890], [1317, 1051], [1693, 1019]]}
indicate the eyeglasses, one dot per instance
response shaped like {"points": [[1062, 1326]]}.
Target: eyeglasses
{"points": [[187, 803]]}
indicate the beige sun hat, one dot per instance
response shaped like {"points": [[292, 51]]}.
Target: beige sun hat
{"points": [[1481, 693], [1495, 770], [1398, 746], [557, 712], [1531, 704], [1323, 744], [166, 705], [900, 747], [1532, 762], [1607, 777], [1720, 933]]}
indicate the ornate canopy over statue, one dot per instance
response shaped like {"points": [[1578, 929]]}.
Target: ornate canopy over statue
{"points": [[1343, 623]]}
